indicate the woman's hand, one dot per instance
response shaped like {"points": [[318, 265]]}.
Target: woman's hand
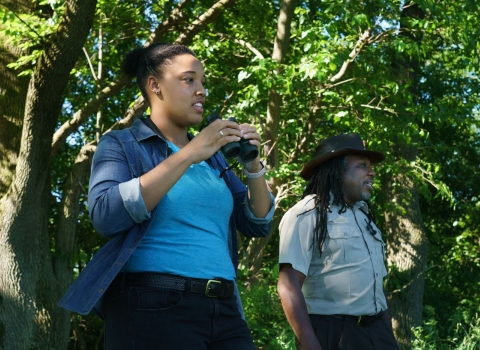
{"points": [[212, 138], [249, 132]]}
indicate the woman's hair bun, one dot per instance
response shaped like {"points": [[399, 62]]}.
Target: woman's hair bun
{"points": [[151, 60], [131, 62]]}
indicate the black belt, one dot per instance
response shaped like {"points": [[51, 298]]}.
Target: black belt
{"points": [[361, 320], [214, 288]]}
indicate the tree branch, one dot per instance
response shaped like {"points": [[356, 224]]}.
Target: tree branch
{"points": [[243, 43], [89, 63], [138, 108], [172, 20], [206, 18], [356, 50], [284, 191], [410, 283], [389, 110], [328, 86], [81, 115]]}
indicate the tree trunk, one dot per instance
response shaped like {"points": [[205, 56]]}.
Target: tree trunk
{"points": [[12, 105], [407, 245], [29, 291], [65, 237], [254, 255], [280, 50], [407, 254]]}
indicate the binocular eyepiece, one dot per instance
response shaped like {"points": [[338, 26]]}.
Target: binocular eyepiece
{"points": [[242, 148]]}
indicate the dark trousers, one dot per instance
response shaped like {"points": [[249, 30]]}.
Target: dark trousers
{"points": [[337, 334], [146, 318]]}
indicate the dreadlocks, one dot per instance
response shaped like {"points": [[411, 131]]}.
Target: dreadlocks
{"points": [[326, 179]]}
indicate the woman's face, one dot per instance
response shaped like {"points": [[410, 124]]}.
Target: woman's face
{"points": [[182, 91]]}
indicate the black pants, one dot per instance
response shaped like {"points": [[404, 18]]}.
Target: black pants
{"points": [[337, 334], [145, 318]]}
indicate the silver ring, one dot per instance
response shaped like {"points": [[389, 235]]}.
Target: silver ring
{"points": [[221, 133]]}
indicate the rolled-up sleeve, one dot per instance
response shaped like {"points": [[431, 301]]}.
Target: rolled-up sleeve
{"points": [[131, 194], [114, 198], [260, 221]]}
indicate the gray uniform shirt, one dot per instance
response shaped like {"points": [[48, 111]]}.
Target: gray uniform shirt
{"points": [[348, 277]]}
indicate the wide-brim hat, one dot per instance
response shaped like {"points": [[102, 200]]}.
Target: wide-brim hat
{"points": [[335, 146]]}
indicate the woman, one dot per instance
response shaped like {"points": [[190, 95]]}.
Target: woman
{"points": [[166, 279]]}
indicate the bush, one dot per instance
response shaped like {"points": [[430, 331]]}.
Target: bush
{"points": [[463, 332], [263, 311]]}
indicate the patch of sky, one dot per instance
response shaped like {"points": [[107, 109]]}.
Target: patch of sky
{"points": [[151, 13], [67, 107], [389, 24], [76, 137]]}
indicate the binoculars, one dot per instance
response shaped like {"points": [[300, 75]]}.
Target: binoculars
{"points": [[242, 149]]}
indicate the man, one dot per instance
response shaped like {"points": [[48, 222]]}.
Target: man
{"points": [[332, 254]]}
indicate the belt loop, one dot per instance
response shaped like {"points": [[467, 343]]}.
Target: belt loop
{"points": [[187, 287]]}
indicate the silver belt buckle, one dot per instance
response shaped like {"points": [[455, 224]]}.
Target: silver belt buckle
{"points": [[207, 288]]}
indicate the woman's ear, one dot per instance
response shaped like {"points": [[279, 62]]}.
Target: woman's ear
{"points": [[153, 85]]}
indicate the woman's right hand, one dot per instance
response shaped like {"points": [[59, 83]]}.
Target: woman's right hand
{"points": [[157, 182], [211, 139]]}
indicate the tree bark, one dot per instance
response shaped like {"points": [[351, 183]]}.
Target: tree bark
{"points": [[407, 254], [407, 240], [29, 291], [254, 255], [280, 50], [12, 105], [65, 237]]}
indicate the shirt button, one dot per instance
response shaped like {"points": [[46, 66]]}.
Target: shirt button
{"points": [[345, 234]]}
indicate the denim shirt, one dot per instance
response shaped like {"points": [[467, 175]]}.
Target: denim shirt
{"points": [[115, 211]]}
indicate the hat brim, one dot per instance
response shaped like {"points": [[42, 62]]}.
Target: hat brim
{"points": [[309, 168]]}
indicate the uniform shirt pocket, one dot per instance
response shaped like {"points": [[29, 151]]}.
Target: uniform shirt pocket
{"points": [[346, 242]]}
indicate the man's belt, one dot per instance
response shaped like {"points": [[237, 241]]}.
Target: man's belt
{"points": [[361, 320], [214, 288]]}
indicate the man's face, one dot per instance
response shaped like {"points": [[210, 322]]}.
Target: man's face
{"points": [[357, 179]]}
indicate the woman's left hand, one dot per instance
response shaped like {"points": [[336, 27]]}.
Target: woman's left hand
{"points": [[259, 200], [249, 132]]}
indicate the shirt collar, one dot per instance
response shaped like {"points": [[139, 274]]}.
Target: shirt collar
{"points": [[358, 205], [141, 131]]}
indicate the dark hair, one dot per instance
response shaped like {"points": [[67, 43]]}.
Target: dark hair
{"points": [[151, 60], [326, 179]]}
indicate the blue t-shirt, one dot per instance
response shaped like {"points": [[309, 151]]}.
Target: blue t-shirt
{"points": [[189, 233]]}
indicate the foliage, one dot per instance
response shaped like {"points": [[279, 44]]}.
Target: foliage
{"points": [[464, 334], [30, 31], [373, 98], [264, 315]]}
